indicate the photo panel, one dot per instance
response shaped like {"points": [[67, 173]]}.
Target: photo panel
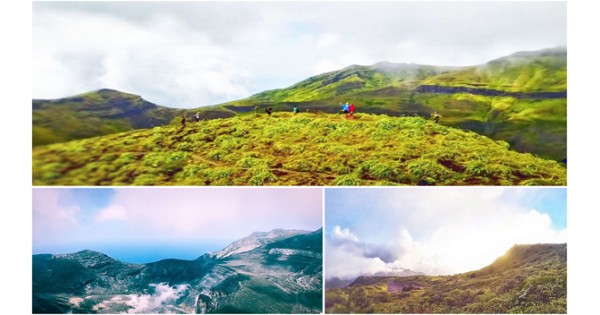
{"points": [[177, 250], [446, 250], [248, 93]]}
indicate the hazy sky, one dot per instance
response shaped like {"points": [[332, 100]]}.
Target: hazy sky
{"points": [[189, 54], [442, 230], [148, 223]]}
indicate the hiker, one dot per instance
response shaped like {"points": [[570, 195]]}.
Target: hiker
{"points": [[182, 121], [295, 109], [436, 117], [269, 111], [346, 109], [351, 109], [256, 110], [197, 117]]}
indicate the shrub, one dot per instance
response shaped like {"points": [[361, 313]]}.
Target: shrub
{"points": [[312, 149], [347, 180]]}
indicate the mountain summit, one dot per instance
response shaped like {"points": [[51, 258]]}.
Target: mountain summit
{"points": [[255, 240]]}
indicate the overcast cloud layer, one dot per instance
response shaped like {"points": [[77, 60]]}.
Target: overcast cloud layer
{"points": [[434, 230], [194, 54], [88, 217]]}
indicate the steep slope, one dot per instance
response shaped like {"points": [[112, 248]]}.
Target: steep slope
{"points": [[95, 113], [527, 279], [287, 149], [293, 265], [256, 281]]}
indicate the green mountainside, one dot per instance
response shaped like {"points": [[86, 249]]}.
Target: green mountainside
{"points": [[284, 276], [288, 149], [93, 114], [527, 279], [520, 99]]}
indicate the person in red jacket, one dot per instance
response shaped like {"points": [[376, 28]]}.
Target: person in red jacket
{"points": [[352, 111]]}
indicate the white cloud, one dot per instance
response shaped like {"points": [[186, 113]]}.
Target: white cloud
{"points": [[326, 65], [163, 295], [346, 262], [344, 234], [191, 54], [66, 220], [53, 212], [112, 212], [328, 40], [211, 213], [347, 257], [161, 60], [454, 248], [435, 231]]}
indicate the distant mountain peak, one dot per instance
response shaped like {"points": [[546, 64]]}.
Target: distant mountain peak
{"points": [[277, 233], [255, 240], [82, 253], [111, 93], [559, 51], [107, 90], [88, 258]]}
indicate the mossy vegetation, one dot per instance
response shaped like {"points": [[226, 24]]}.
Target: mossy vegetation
{"points": [[288, 149], [529, 279]]}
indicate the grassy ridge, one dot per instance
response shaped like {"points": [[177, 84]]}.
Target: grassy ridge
{"points": [[528, 279], [347, 81], [93, 114], [537, 71], [287, 149]]}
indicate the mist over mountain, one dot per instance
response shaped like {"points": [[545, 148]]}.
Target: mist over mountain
{"points": [[284, 275], [335, 282]]}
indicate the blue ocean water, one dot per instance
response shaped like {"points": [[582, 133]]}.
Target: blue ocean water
{"points": [[142, 253]]}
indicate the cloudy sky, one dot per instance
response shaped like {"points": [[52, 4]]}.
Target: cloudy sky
{"points": [[443, 230], [147, 224], [190, 54]]}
